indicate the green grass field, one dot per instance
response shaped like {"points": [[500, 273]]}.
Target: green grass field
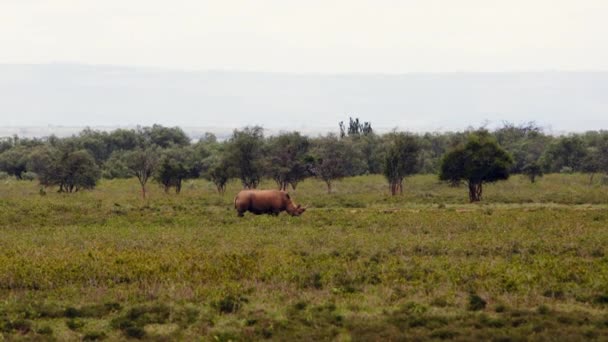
{"points": [[528, 263]]}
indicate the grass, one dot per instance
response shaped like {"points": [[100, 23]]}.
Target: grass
{"points": [[528, 263]]}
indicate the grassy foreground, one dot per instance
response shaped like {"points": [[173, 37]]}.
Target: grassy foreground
{"points": [[529, 263]]}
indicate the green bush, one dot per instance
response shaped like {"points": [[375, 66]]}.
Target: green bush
{"points": [[476, 303]]}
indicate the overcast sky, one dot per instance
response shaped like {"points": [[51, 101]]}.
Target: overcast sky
{"points": [[310, 36]]}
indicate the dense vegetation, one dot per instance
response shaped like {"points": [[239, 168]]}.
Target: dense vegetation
{"points": [[530, 263], [167, 156]]}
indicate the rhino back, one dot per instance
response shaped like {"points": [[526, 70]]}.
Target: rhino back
{"points": [[267, 200]]}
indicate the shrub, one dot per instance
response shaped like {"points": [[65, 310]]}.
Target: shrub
{"points": [[500, 308], [601, 299], [22, 326], [444, 334], [135, 332], [543, 310], [532, 171], [94, 336], [476, 303], [29, 176], [70, 170], [45, 330], [147, 314], [74, 324], [230, 304], [72, 312]]}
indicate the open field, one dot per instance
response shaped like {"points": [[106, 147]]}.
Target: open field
{"points": [[528, 263]]}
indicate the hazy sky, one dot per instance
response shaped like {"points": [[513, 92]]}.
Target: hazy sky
{"points": [[310, 36]]}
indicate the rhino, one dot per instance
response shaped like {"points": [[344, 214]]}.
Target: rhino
{"points": [[266, 202]]}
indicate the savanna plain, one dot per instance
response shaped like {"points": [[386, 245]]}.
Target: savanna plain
{"points": [[528, 263]]}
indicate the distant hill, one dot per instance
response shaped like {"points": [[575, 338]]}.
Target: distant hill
{"points": [[81, 95]]}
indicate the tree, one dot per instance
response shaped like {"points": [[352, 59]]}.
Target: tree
{"points": [[355, 128], [124, 139], [164, 136], [481, 160], [218, 172], [78, 170], [525, 142], [532, 170], [566, 153], [215, 166], [43, 161], [116, 166], [335, 159], [208, 138], [70, 170], [602, 153], [372, 151], [596, 156], [6, 143], [96, 143], [174, 165], [198, 153], [402, 160], [288, 159], [13, 161], [245, 154], [142, 163]]}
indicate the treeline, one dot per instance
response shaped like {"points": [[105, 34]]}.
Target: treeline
{"points": [[167, 156]]}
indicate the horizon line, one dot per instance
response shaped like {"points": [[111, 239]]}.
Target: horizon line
{"points": [[311, 131], [241, 70]]}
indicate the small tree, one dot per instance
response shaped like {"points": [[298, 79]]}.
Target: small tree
{"points": [[75, 171], [335, 159], [602, 154], [245, 154], [218, 172], [70, 170], [287, 159], [175, 165], [532, 170], [355, 128], [524, 142], [116, 166], [481, 160], [164, 136], [95, 142], [373, 152], [215, 165], [43, 161], [142, 163], [402, 160], [124, 139], [566, 152], [6, 143], [596, 158], [13, 161]]}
